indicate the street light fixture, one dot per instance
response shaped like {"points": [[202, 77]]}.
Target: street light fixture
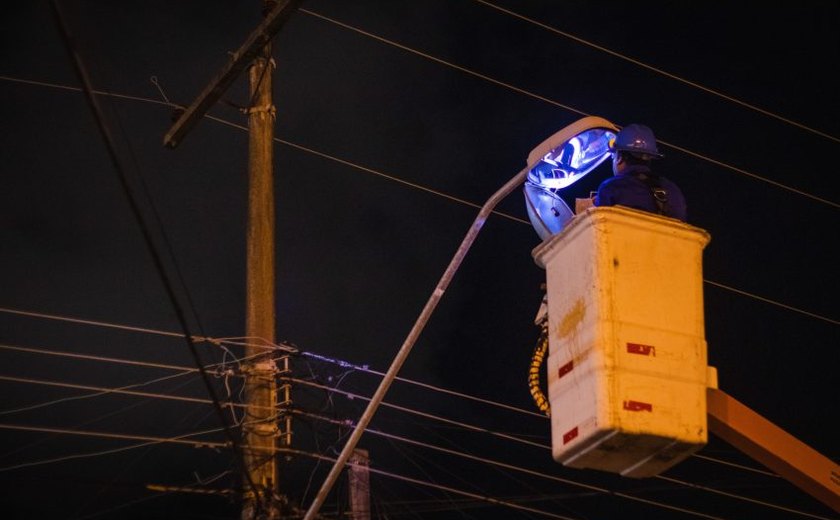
{"points": [[571, 153], [560, 161]]}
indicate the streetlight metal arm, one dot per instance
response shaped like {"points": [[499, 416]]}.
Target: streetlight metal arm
{"points": [[418, 327]]}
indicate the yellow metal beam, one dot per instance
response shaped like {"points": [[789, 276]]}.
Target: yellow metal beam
{"points": [[773, 447]]}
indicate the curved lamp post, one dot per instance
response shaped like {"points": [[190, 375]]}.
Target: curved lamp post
{"points": [[557, 162]]}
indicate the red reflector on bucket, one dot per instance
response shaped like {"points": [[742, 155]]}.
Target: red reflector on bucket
{"points": [[644, 350], [565, 369], [638, 406]]}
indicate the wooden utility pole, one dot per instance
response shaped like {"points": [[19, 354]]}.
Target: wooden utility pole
{"points": [[359, 485], [260, 430]]}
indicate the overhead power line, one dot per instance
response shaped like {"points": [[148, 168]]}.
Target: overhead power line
{"points": [[102, 390], [147, 440], [419, 413], [191, 338], [353, 396], [106, 390], [740, 497], [423, 385], [419, 186], [32, 314], [126, 390], [110, 146], [484, 498], [181, 370], [497, 501], [455, 199], [107, 359], [772, 302], [187, 370], [555, 478], [658, 70], [552, 102], [306, 383], [462, 69], [181, 439], [569, 108]]}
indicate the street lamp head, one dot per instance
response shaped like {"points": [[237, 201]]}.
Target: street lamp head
{"points": [[560, 161]]}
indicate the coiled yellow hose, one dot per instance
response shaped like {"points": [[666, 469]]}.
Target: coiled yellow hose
{"points": [[534, 372]]}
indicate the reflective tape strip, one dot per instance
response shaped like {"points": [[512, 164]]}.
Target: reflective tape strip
{"points": [[638, 406], [565, 369], [644, 350]]}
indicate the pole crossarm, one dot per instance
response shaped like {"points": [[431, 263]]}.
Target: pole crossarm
{"points": [[246, 53]]}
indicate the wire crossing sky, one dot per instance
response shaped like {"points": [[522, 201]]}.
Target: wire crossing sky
{"points": [[387, 114]]}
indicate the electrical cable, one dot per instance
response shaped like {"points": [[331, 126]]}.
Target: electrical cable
{"points": [[658, 71], [555, 478], [119, 391], [368, 370], [375, 432], [461, 453], [217, 341], [120, 507], [321, 386], [281, 346], [553, 102], [432, 485], [739, 497], [460, 424], [832, 321], [91, 357], [523, 441], [725, 287], [461, 201], [96, 323], [78, 397], [659, 477], [486, 498], [442, 194], [135, 209], [147, 440]]}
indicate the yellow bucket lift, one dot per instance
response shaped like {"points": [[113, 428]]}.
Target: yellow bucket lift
{"points": [[629, 389], [627, 364]]}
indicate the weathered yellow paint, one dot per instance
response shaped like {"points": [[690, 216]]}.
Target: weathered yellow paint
{"points": [[627, 365], [571, 320]]}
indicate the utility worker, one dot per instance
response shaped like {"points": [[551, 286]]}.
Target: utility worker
{"points": [[634, 184]]}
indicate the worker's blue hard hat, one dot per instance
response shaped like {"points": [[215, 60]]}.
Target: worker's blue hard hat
{"points": [[635, 139]]}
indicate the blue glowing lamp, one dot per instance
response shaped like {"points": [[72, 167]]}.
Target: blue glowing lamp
{"points": [[559, 161]]}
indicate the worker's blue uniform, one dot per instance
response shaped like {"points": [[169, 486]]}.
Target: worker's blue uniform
{"points": [[632, 191]]}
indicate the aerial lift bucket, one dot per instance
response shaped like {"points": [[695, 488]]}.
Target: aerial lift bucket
{"points": [[627, 365]]}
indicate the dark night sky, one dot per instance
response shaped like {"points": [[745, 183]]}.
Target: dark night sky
{"points": [[394, 119]]}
